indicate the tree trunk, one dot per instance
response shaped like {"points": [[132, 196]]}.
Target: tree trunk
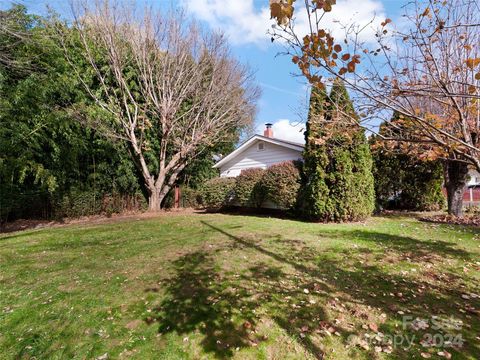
{"points": [[154, 200], [156, 197], [455, 179], [159, 190]]}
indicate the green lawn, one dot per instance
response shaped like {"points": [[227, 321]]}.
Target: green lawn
{"points": [[218, 286]]}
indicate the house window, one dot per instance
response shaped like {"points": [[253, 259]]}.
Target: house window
{"points": [[261, 146]]}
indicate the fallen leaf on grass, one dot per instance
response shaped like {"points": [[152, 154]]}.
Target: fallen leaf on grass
{"points": [[331, 330], [445, 354], [388, 349], [419, 324], [472, 310], [247, 325], [363, 344]]}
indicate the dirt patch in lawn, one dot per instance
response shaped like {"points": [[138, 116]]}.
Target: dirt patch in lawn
{"points": [[26, 224]]}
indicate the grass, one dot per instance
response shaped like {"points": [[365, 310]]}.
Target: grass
{"points": [[219, 286]]}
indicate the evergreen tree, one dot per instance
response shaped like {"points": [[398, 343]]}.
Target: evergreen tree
{"points": [[313, 192], [402, 180], [349, 173], [337, 157]]}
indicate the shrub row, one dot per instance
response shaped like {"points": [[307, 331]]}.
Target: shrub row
{"points": [[278, 184], [85, 203], [247, 191], [217, 193]]}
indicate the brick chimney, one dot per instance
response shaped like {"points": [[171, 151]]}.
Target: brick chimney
{"points": [[268, 132]]}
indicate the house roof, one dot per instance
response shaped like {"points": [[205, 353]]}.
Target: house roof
{"points": [[254, 138]]}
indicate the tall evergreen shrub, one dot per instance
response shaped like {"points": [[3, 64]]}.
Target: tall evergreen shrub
{"points": [[337, 180], [313, 192]]}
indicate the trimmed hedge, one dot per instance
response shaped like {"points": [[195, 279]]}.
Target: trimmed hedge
{"points": [[217, 192], [402, 182], [247, 192], [280, 184]]}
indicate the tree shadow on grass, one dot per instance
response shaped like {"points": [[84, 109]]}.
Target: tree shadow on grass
{"points": [[226, 308], [408, 246], [372, 286], [199, 299]]}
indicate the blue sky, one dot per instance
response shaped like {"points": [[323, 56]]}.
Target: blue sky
{"points": [[246, 22]]}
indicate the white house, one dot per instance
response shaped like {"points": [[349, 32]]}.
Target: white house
{"points": [[259, 152], [474, 177]]}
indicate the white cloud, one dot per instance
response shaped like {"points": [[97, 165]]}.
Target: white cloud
{"points": [[239, 19], [286, 130], [245, 23]]}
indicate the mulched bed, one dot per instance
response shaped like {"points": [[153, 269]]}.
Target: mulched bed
{"points": [[467, 219]]}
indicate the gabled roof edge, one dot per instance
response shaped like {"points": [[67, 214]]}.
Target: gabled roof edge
{"points": [[244, 146]]}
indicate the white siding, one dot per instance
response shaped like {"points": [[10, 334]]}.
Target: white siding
{"points": [[254, 158], [474, 177]]}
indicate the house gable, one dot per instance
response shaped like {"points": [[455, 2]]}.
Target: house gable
{"points": [[258, 152]]}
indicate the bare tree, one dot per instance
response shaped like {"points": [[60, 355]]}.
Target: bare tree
{"points": [[171, 90], [427, 70]]}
